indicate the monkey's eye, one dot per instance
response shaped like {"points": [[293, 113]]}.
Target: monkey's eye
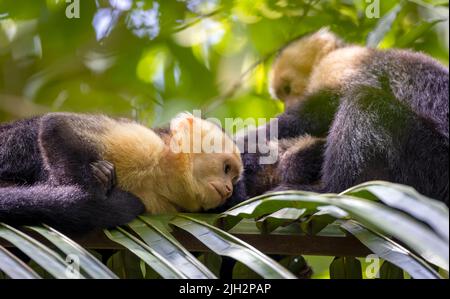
{"points": [[287, 89], [226, 168]]}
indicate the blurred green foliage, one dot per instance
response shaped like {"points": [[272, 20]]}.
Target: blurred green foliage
{"points": [[152, 59]]}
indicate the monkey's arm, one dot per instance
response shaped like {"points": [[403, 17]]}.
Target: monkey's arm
{"points": [[302, 161], [71, 197], [313, 115]]}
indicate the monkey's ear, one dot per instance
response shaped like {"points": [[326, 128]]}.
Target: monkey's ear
{"points": [[183, 122], [182, 127]]}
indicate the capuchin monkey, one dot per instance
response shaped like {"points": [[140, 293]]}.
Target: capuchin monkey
{"points": [[82, 172], [383, 114]]}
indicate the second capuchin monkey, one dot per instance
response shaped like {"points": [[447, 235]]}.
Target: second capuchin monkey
{"points": [[80, 172], [382, 113]]}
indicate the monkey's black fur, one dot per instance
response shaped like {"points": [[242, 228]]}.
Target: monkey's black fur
{"points": [[389, 123], [300, 165], [46, 177]]}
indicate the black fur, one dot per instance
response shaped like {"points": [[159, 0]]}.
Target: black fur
{"points": [[390, 122], [301, 163], [46, 176]]}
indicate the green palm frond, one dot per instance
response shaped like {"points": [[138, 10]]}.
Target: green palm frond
{"points": [[403, 228]]}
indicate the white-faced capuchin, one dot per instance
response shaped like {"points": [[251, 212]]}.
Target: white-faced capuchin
{"points": [[382, 113], [80, 172]]}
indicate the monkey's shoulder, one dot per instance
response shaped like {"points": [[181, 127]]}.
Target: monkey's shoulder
{"points": [[355, 65]]}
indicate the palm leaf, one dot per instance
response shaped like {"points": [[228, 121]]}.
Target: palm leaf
{"points": [[283, 217], [391, 271], [391, 251], [93, 267], [14, 267], [42, 255], [413, 233], [372, 214], [266, 204], [163, 242], [325, 216], [223, 243], [407, 199], [144, 252]]}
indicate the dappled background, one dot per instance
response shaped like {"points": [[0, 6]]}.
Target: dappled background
{"points": [[151, 59]]}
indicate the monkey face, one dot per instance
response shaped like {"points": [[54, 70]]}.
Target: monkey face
{"points": [[292, 69], [216, 174], [215, 161]]}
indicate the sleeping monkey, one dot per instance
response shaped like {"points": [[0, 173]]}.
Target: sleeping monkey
{"points": [[376, 114], [58, 169]]}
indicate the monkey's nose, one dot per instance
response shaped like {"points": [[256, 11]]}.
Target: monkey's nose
{"points": [[229, 191]]}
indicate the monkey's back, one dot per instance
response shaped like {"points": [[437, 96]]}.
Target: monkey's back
{"points": [[20, 158], [416, 80]]}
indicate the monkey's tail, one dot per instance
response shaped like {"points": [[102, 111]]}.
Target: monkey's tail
{"points": [[37, 204], [67, 208]]}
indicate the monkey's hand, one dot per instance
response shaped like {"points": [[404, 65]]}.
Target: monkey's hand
{"points": [[105, 173]]}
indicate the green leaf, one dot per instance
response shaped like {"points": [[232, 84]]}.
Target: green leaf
{"points": [[14, 267], [148, 255], [402, 227], [383, 26], [326, 215], [390, 251], [283, 217], [212, 261], [125, 265], [149, 272], [39, 270], [167, 246], [430, 3], [225, 244], [391, 271], [269, 203], [373, 215], [407, 199], [416, 32], [241, 271], [345, 268], [93, 267], [42, 255]]}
